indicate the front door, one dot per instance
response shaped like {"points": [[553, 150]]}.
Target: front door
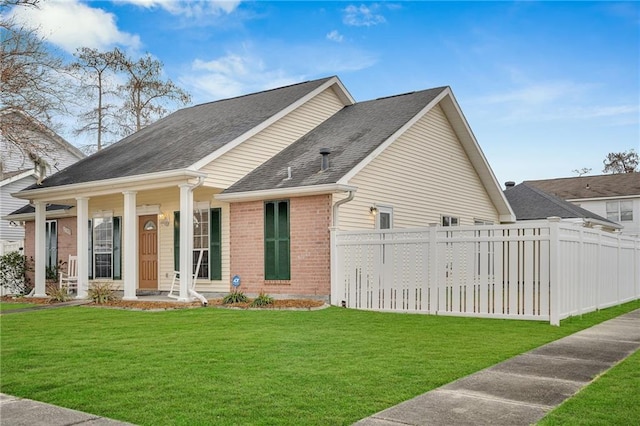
{"points": [[148, 252]]}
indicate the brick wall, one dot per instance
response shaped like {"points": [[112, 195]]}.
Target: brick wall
{"points": [[310, 247], [66, 241]]}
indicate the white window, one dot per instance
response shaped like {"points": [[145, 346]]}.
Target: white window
{"points": [[620, 211], [201, 241], [449, 221], [384, 218], [102, 247]]}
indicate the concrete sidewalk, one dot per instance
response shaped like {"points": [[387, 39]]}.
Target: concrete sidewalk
{"points": [[521, 390], [25, 412]]}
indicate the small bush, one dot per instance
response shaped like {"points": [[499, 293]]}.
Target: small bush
{"points": [[101, 292], [13, 268], [58, 294], [262, 300], [235, 297]]}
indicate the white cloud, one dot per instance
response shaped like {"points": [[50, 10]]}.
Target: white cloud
{"points": [[252, 68], [71, 24], [233, 75], [189, 8], [335, 36], [363, 16]]}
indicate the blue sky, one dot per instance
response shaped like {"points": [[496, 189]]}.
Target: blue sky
{"points": [[547, 87]]}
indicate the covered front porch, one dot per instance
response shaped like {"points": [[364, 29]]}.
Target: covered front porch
{"points": [[141, 230]]}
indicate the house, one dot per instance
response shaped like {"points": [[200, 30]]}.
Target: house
{"points": [[615, 196], [17, 171], [531, 203], [249, 188]]}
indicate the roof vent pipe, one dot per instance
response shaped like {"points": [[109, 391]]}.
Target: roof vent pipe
{"points": [[324, 165], [509, 184]]}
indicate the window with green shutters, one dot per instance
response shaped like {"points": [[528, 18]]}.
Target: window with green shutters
{"points": [[207, 234], [276, 240]]}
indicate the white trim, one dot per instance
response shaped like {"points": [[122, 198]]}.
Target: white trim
{"points": [[300, 191], [611, 198], [52, 214], [382, 209], [263, 125], [17, 177], [111, 186], [148, 209]]}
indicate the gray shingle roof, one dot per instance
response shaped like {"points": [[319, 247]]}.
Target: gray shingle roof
{"points": [[350, 135], [614, 185], [182, 138], [531, 203]]}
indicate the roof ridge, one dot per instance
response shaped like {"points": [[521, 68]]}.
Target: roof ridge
{"points": [[408, 93], [261, 92]]}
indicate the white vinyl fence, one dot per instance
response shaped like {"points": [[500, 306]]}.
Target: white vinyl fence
{"points": [[9, 246], [546, 270]]}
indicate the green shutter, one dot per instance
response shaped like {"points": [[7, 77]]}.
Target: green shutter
{"points": [[117, 245], [277, 261], [215, 245], [176, 241], [90, 250]]}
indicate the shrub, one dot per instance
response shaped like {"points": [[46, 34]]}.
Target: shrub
{"points": [[101, 292], [53, 272], [234, 297], [262, 300], [13, 268], [58, 294]]}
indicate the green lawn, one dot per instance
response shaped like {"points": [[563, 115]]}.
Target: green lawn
{"points": [[613, 399], [216, 366], [9, 306]]}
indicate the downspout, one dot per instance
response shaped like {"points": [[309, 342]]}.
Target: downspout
{"points": [[333, 252], [352, 194], [192, 291]]}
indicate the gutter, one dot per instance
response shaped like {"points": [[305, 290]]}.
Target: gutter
{"points": [[299, 191]]}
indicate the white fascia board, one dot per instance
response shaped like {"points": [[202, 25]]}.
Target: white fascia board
{"points": [[479, 162], [254, 131], [372, 156], [300, 191], [53, 214], [16, 178], [110, 186], [613, 197], [603, 223]]}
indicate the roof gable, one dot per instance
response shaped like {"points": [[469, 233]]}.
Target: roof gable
{"points": [[586, 187], [183, 138], [350, 136]]}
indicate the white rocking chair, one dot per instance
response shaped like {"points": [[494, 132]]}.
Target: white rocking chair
{"points": [[69, 280], [175, 284]]}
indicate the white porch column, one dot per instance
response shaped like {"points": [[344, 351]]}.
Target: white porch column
{"points": [[186, 241], [130, 246], [82, 244], [40, 250]]}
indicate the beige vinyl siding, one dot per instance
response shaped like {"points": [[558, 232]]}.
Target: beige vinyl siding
{"points": [[168, 201], [424, 174], [233, 165]]}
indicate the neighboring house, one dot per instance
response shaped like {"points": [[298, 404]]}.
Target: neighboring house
{"points": [[615, 197], [250, 186], [531, 203], [17, 170]]}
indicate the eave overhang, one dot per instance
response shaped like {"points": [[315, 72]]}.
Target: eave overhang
{"points": [[269, 194], [111, 186]]}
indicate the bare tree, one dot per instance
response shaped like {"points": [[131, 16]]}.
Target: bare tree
{"points": [[97, 70], [621, 162], [32, 78], [582, 171], [146, 94]]}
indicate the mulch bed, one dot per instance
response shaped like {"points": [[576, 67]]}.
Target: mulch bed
{"points": [[163, 305]]}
